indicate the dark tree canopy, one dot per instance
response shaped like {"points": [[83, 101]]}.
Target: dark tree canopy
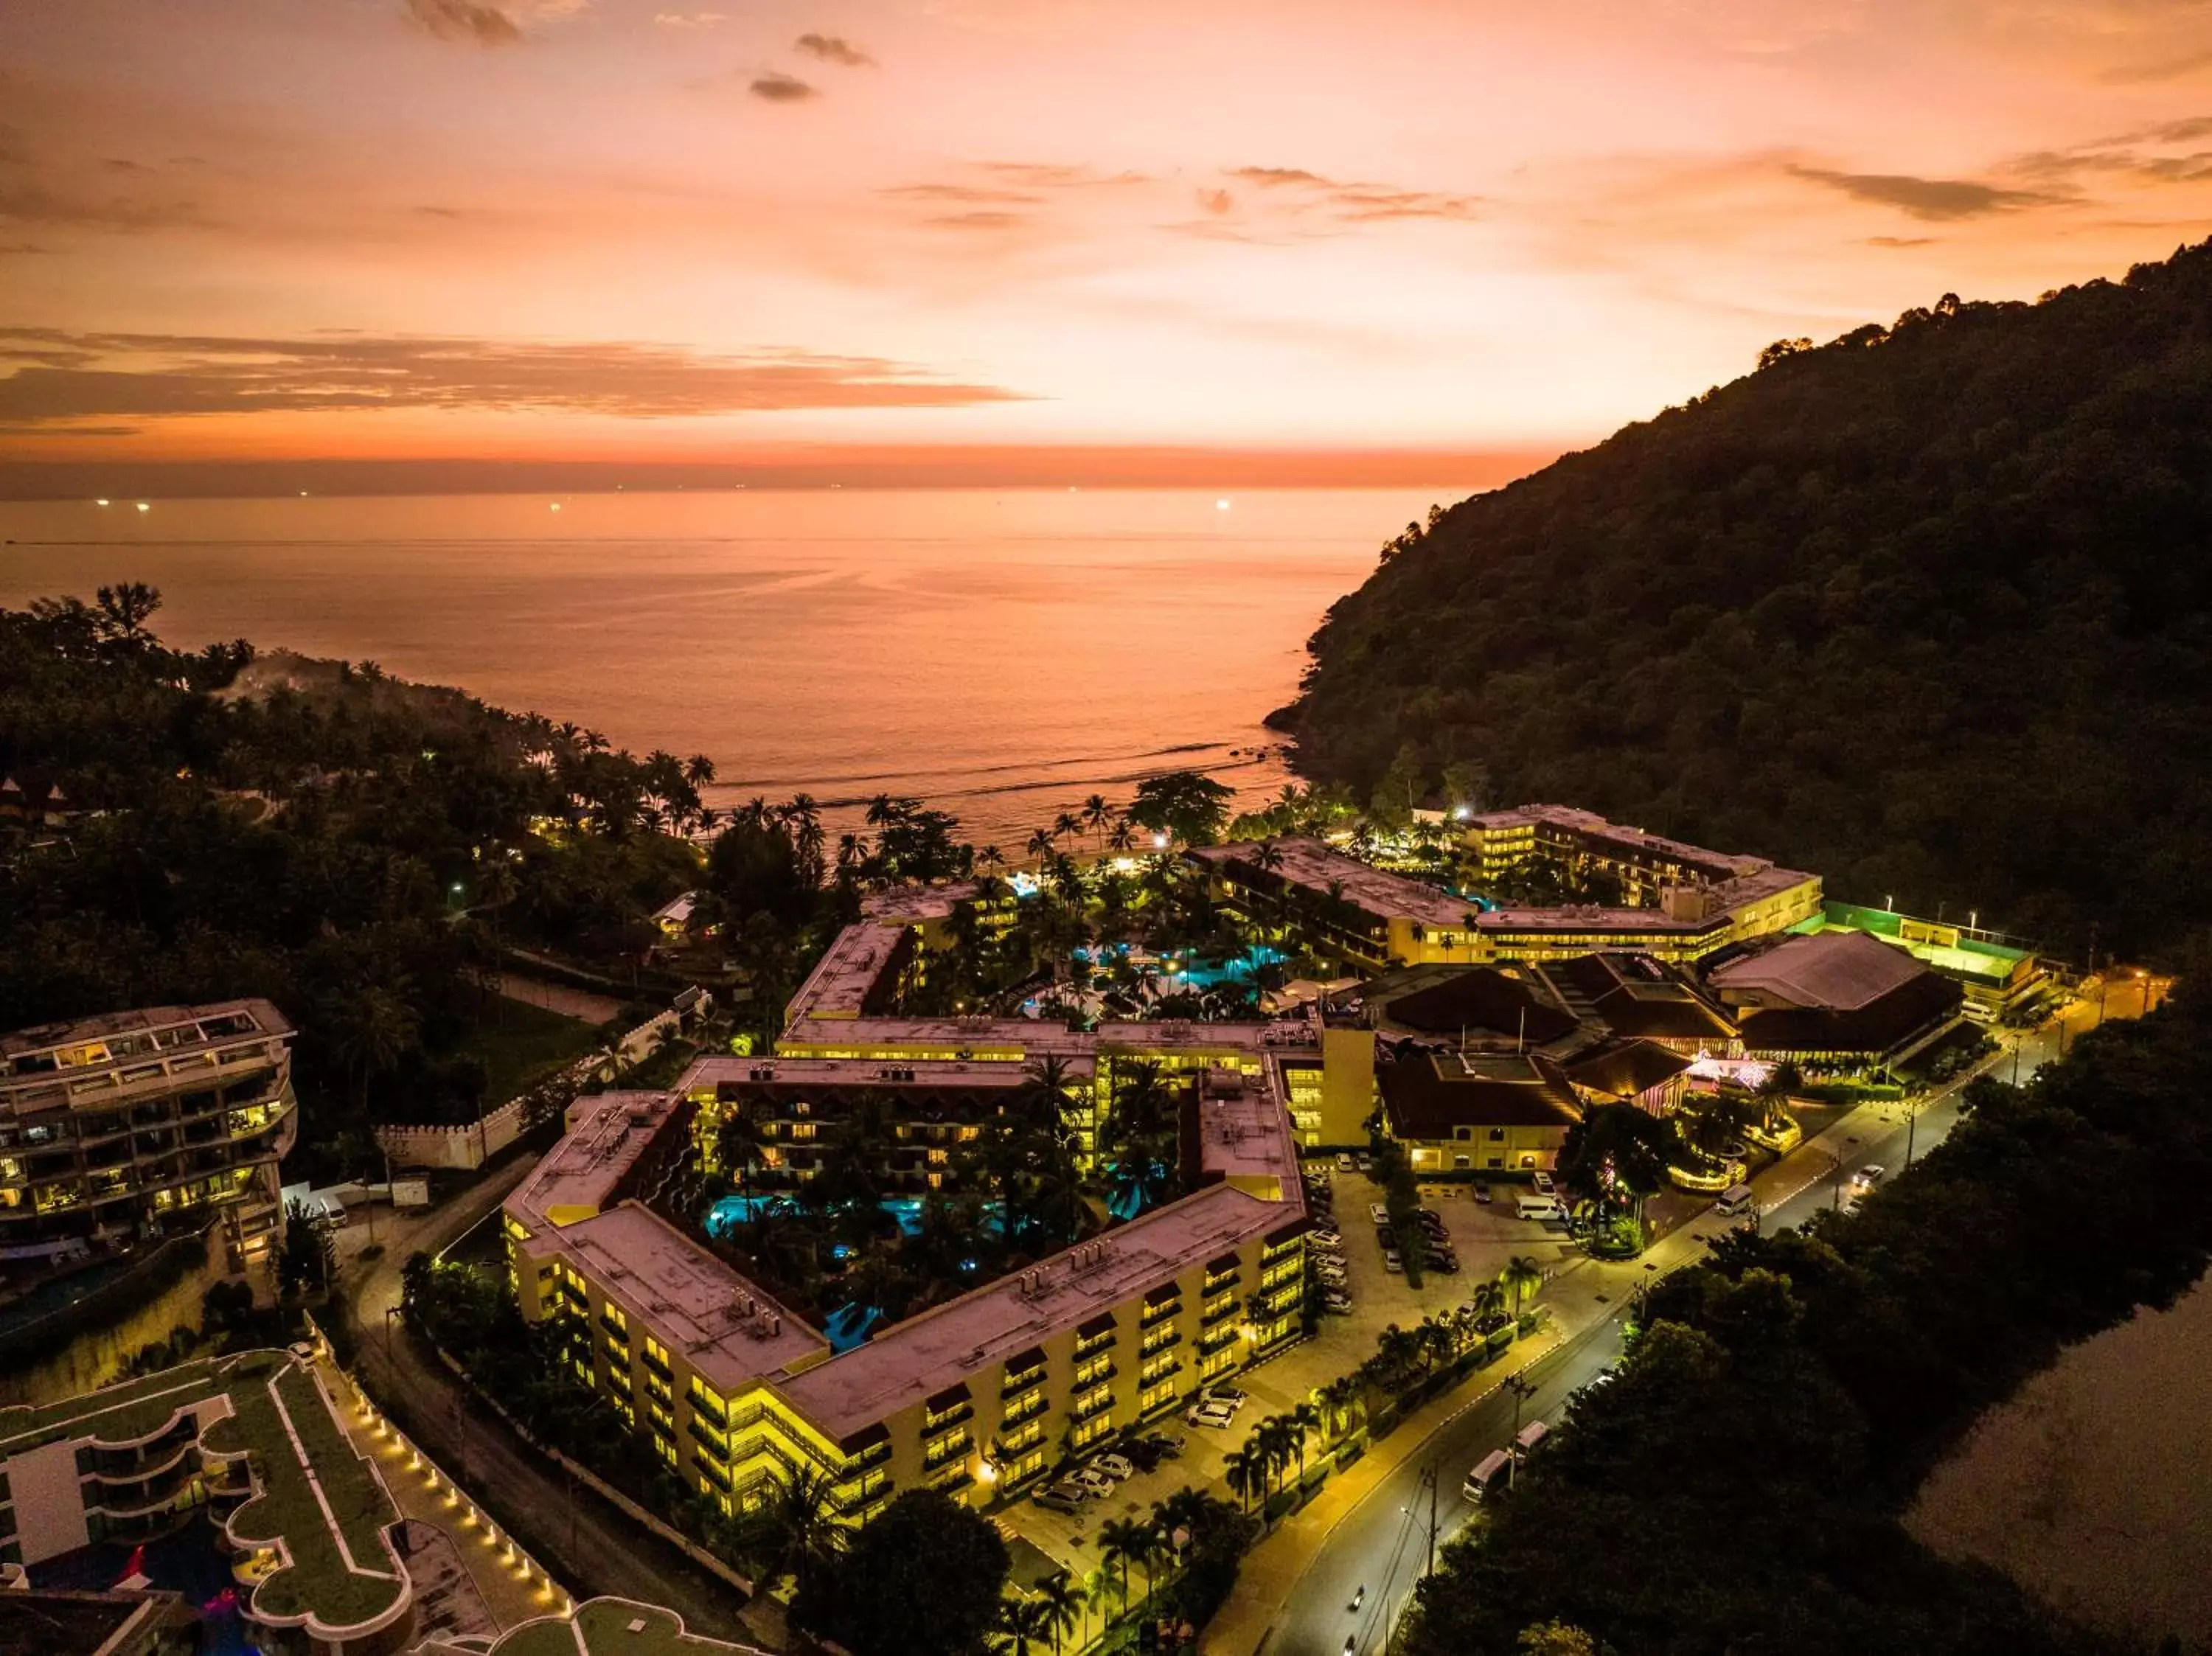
{"points": [[921, 1580], [1924, 610]]}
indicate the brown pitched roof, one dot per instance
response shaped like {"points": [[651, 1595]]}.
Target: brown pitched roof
{"points": [[1481, 1000], [1636, 995], [1622, 1068], [1882, 1026], [1426, 1094]]}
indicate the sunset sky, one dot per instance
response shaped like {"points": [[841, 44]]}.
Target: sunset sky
{"points": [[659, 229]]}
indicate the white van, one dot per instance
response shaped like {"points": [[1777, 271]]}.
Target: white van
{"points": [[1531, 1435], [1538, 1207], [1486, 1472], [1736, 1198]]}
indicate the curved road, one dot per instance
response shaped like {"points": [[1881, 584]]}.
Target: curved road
{"points": [[1383, 1543], [590, 1547]]}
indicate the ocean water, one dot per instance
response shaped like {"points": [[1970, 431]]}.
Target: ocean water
{"points": [[1002, 654]]}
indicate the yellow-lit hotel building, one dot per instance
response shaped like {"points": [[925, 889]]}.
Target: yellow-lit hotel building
{"points": [[1681, 903], [983, 1393]]}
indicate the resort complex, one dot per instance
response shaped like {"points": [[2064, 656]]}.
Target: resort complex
{"points": [[132, 1126], [1485, 1034]]}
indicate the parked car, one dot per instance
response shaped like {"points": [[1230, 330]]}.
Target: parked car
{"points": [[1116, 1467], [1228, 1396], [1091, 1479], [1433, 1224], [1378, 1213], [1482, 1194], [1344, 1162], [1392, 1262], [1447, 1262], [1543, 1183], [1059, 1498], [1168, 1445], [1338, 1303], [1210, 1414], [1364, 1162]]}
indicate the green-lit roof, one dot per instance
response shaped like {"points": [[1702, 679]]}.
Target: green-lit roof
{"points": [[319, 1497], [1967, 957]]}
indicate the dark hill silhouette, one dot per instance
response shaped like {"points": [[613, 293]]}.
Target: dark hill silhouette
{"points": [[1924, 608]]}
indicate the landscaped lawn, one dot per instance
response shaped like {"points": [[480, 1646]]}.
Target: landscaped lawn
{"points": [[519, 1044]]}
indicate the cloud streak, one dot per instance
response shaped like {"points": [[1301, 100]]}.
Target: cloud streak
{"points": [[777, 88], [833, 49], [465, 20], [1935, 200], [60, 379]]}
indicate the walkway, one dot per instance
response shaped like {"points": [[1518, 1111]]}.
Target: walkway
{"points": [[593, 1549]]}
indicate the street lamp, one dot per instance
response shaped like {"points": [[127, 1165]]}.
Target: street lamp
{"points": [[1523, 1388]]}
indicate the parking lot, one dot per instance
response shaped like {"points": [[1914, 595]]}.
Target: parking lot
{"points": [[1484, 1238]]}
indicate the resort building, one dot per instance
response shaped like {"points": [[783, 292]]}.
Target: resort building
{"points": [[1999, 981], [1837, 997], [1477, 1112], [981, 1393], [135, 1125], [1679, 903], [251, 1440], [1639, 997]]}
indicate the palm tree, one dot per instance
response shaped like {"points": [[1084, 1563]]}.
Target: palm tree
{"points": [[1616, 1155], [1040, 845], [1067, 825], [1304, 1420], [1097, 814], [1488, 1299], [796, 1530], [1521, 1277], [1245, 1472], [1123, 838], [1062, 1601], [1268, 857], [1020, 1622], [1122, 1542], [1340, 1401], [991, 857], [698, 770]]}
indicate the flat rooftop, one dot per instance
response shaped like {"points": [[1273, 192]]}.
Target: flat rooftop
{"points": [[891, 1075], [112, 1037], [1314, 866], [850, 968], [1022, 1038], [606, 1135], [1246, 1134], [927, 1354], [729, 1327], [905, 904]]}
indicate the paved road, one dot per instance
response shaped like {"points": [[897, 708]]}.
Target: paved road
{"points": [[1383, 1543], [590, 1547]]}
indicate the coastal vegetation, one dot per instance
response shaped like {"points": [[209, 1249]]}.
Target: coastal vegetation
{"points": [[1744, 1478], [192, 827], [1922, 608]]}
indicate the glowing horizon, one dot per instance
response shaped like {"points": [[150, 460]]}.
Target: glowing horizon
{"points": [[953, 231]]}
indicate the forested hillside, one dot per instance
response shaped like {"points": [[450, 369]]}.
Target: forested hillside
{"points": [[1923, 609]]}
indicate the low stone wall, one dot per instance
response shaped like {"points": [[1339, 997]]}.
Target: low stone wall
{"points": [[466, 1146]]}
